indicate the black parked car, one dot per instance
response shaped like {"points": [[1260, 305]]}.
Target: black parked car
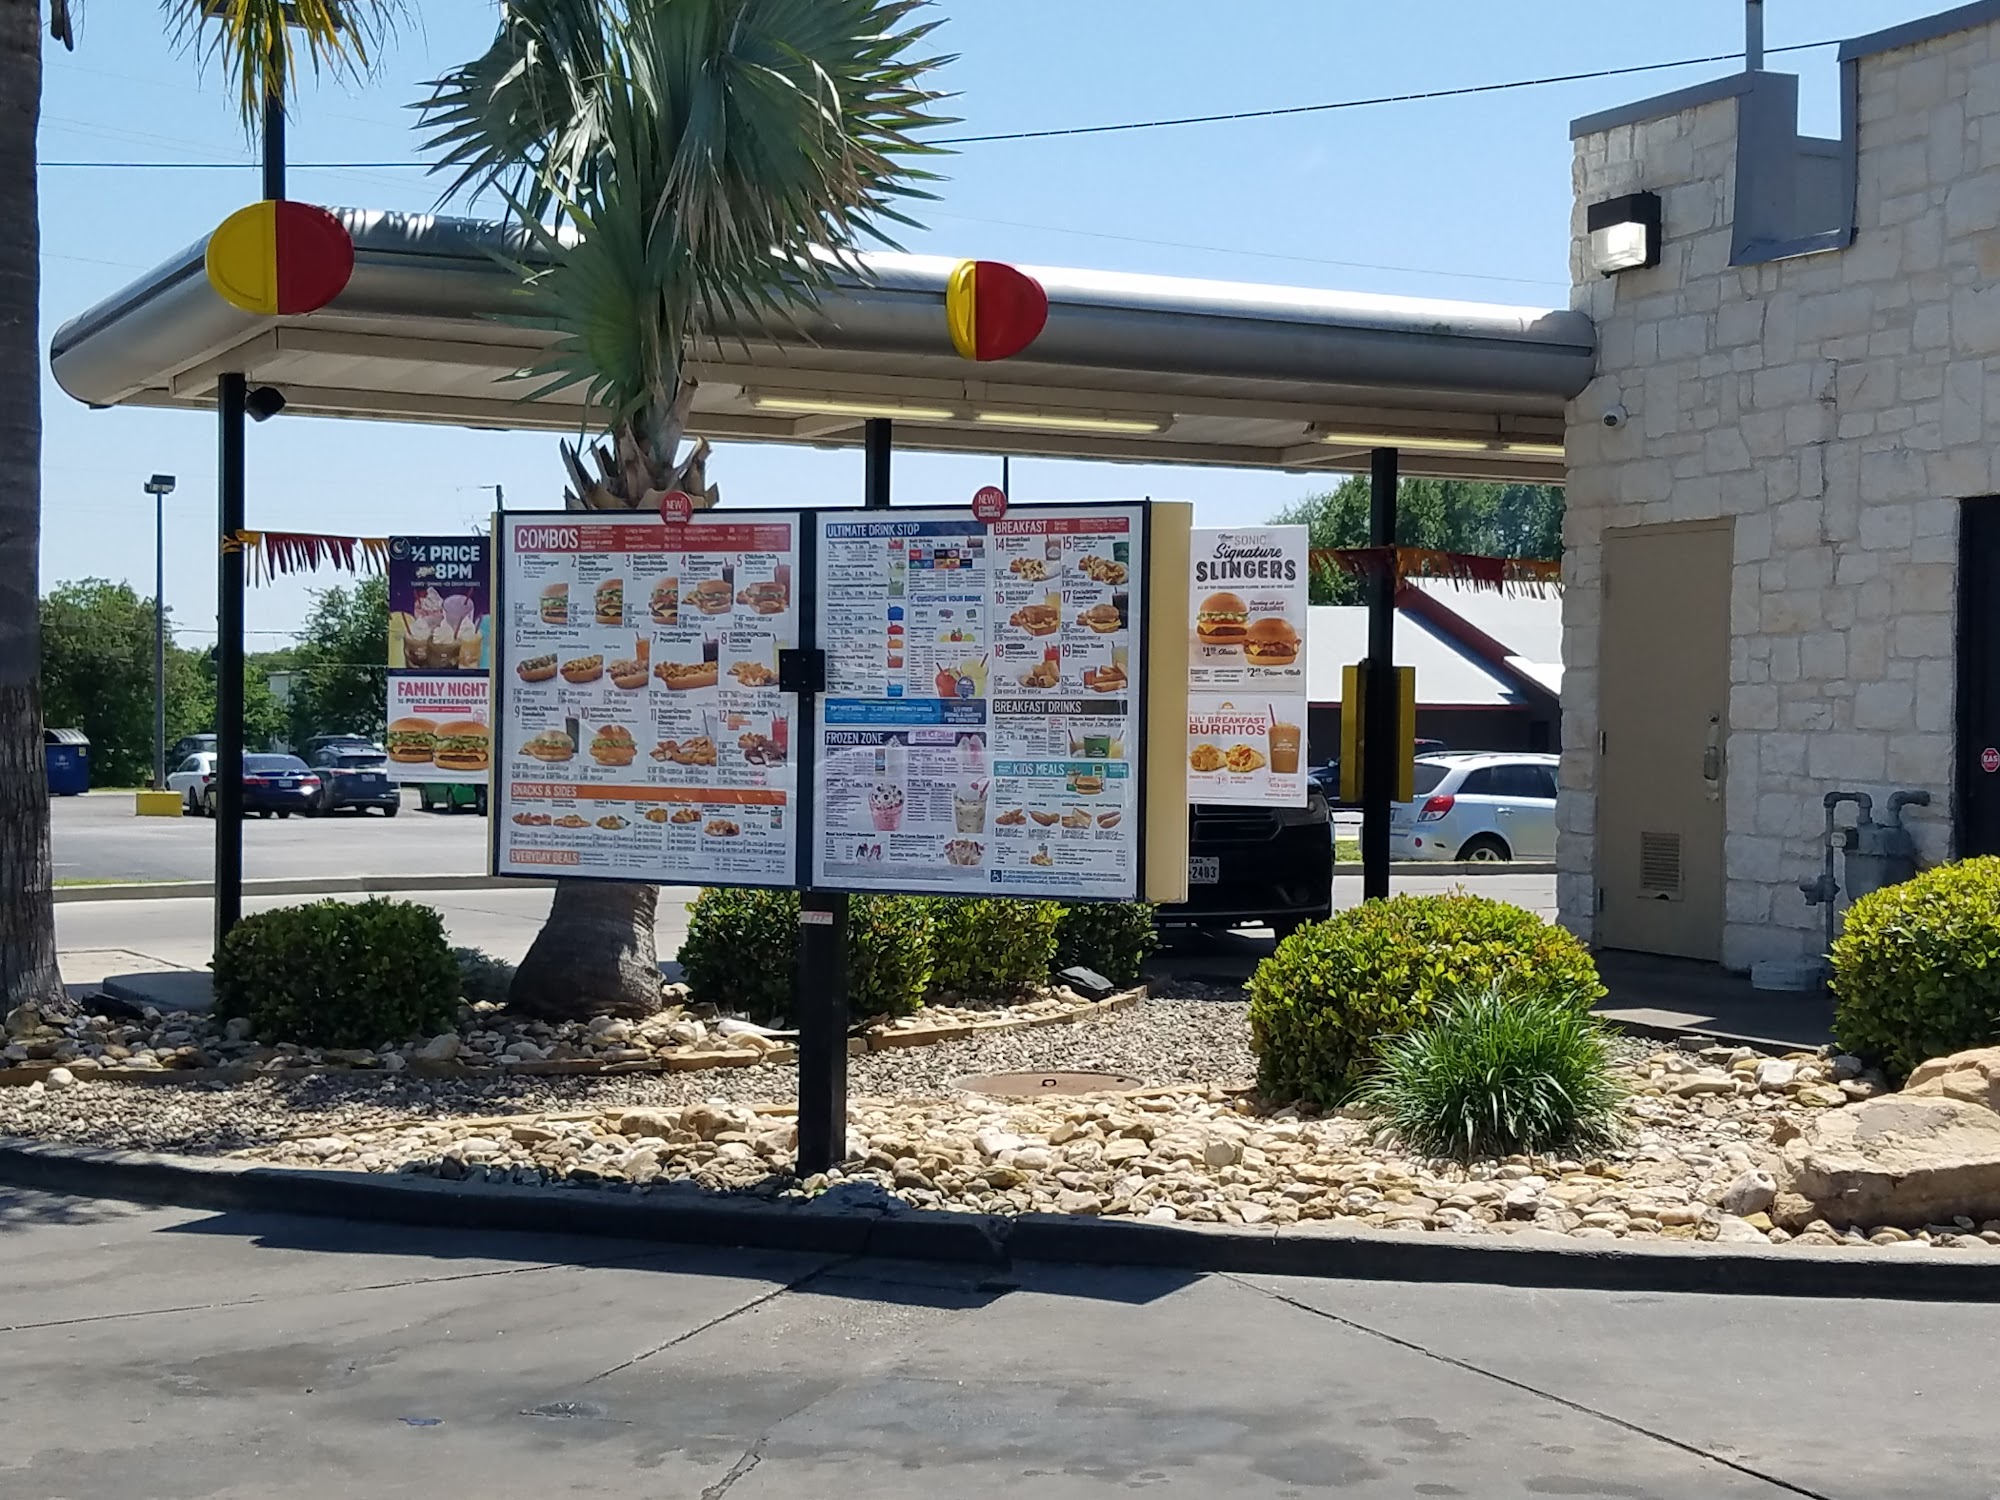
{"points": [[354, 773], [281, 784], [1250, 866]]}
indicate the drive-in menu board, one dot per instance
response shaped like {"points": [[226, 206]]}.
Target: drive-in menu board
{"points": [[1247, 667], [980, 728], [641, 732]]}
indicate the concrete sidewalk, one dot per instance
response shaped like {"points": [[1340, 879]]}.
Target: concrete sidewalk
{"points": [[162, 1351]]}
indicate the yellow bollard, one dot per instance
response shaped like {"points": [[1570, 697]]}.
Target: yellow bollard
{"points": [[157, 804]]}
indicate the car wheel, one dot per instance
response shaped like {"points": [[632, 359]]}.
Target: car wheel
{"points": [[284, 814], [208, 805], [1487, 849], [189, 807], [391, 810], [264, 813]]}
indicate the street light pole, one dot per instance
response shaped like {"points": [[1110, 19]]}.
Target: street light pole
{"points": [[159, 487]]}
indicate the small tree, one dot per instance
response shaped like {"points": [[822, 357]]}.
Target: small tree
{"points": [[340, 666]]}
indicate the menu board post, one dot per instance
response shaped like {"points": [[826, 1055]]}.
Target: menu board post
{"points": [[822, 1019]]}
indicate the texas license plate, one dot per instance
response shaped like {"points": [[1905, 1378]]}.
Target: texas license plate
{"points": [[1204, 869]]}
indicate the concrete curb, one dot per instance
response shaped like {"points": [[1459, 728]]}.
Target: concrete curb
{"points": [[330, 885], [686, 1216]]}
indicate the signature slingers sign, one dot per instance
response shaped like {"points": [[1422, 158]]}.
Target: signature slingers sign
{"points": [[1247, 602]]}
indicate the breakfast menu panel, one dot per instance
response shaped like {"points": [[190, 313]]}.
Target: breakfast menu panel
{"points": [[641, 734], [979, 732]]}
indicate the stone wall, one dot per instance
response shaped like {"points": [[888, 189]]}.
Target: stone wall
{"points": [[1836, 406]]}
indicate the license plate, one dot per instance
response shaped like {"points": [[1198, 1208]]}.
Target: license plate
{"points": [[1204, 869], [371, 781]]}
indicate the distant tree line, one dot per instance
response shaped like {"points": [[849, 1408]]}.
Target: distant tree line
{"points": [[1447, 515]]}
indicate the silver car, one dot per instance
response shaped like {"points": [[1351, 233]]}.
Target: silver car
{"points": [[1482, 806]]}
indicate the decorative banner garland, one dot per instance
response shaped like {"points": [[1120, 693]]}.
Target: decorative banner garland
{"points": [[1502, 575], [275, 552]]}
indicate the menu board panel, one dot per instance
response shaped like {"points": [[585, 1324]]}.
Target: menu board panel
{"points": [[440, 618], [641, 733], [980, 728], [1248, 593]]}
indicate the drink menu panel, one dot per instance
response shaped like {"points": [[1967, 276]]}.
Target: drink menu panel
{"points": [[979, 733], [640, 731]]}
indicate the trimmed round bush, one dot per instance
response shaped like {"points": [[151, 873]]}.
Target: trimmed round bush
{"points": [[1334, 992], [1916, 968], [339, 974], [741, 953], [1112, 937], [1494, 1071], [985, 949]]}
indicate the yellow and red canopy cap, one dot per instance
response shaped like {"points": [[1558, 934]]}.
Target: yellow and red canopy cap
{"points": [[280, 257], [994, 310]]}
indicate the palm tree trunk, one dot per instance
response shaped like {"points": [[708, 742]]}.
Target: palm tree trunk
{"points": [[28, 974]]}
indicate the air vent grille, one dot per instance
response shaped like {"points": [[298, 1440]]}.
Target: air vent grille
{"points": [[1660, 864]]}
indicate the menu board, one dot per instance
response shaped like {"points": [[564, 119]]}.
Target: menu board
{"points": [[980, 728], [439, 622], [642, 735], [1249, 591]]}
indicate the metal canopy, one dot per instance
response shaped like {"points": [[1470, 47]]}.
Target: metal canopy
{"points": [[1144, 368]]}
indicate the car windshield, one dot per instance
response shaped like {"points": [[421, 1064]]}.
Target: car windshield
{"points": [[273, 763], [1427, 776]]}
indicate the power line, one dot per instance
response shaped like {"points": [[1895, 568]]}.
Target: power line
{"points": [[1068, 130]]}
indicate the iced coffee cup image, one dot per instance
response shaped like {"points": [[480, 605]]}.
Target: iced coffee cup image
{"points": [[1284, 747], [885, 806]]}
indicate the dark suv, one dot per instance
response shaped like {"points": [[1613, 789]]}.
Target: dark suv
{"points": [[1251, 866]]}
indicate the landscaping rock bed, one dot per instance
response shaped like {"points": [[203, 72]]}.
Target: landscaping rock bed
{"points": [[1705, 1133]]}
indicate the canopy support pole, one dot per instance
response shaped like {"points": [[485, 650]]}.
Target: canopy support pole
{"points": [[228, 783], [1379, 715]]}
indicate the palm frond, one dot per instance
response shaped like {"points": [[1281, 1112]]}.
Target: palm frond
{"points": [[263, 46], [718, 160]]}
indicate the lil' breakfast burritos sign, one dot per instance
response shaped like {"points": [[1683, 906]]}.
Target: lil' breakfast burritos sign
{"points": [[440, 648], [1247, 666]]}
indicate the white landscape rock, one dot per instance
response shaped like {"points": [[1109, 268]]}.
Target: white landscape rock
{"points": [[1751, 1193]]}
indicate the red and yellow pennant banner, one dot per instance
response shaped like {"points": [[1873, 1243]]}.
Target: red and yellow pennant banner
{"points": [[272, 553], [1501, 575]]}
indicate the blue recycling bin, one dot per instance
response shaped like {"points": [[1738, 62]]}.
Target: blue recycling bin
{"points": [[68, 754]]}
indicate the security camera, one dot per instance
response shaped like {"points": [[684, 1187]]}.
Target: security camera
{"points": [[1616, 417]]}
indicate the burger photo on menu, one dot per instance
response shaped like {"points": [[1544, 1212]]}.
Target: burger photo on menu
{"points": [[767, 598], [685, 676], [550, 745], [665, 602], [1102, 618], [613, 745], [611, 602], [411, 741], [462, 745], [1271, 642], [1222, 620], [536, 668], [711, 596], [555, 604]]}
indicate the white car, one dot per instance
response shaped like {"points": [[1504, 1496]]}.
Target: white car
{"points": [[1478, 806], [191, 778]]}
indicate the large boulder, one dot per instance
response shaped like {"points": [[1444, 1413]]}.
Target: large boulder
{"points": [[1905, 1160], [1971, 1076]]}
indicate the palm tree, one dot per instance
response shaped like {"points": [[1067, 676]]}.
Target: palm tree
{"points": [[678, 165], [259, 45]]}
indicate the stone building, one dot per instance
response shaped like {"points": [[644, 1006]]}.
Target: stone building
{"points": [[1782, 550]]}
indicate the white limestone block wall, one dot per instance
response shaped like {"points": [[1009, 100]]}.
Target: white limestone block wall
{"points": [[1837, 406]]}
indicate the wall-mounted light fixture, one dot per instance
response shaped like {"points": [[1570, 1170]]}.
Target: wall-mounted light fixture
{"points": [[1624, 233], [1071, 421], [834, 406]]}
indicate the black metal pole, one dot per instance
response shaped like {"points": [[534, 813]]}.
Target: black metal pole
{"points": [[159, 640], [1379, 715], [274, 136], [822, 991], [876, 434], [229, 663]]}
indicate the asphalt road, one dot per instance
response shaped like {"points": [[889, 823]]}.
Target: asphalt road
{"points": [[175, 1353], [97, 838]]}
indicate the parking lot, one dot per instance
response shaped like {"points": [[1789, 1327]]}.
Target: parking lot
{"points": [[97, 839]]}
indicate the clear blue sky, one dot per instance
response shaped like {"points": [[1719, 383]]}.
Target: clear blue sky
{"points": [[1464, 198]]}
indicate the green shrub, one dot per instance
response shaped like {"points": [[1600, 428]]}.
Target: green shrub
{"points": [[1112, 937], [990, 949], [1916, 970], [1323, 1004], [1497, 1070], [741, 950], [481, 976], [336, 974]]}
